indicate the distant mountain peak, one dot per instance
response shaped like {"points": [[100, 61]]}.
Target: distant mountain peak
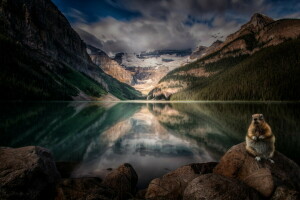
{"points": [[259, 21], [259, 32], [259, 16]]}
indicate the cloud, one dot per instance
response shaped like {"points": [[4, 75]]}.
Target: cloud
{"points": [[76, 15], [89, 38], [169, 24]]}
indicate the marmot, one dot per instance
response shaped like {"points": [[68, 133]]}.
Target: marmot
{"points": [[260, 141]]}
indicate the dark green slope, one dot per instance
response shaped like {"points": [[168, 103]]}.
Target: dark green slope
{"points": [[28, 75], [272, 73]]}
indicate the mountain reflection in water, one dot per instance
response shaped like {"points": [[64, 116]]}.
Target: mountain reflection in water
{"points": [[154, 137]]}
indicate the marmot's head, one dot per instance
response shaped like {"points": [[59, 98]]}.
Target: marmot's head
{"points": [[258, 119]]}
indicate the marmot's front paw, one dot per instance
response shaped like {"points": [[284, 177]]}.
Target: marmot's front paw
{"points": [[254, 138], [272, 161], [257, 158], [261, 137]]}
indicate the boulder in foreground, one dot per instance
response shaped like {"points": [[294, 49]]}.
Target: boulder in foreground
{"points": [[83, 188], [27, 173], [122, 180], [217, 187], [173, 184], [283, 193], [263, 176]]}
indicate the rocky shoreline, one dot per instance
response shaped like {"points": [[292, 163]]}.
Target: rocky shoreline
{"points": [[31, 173]]}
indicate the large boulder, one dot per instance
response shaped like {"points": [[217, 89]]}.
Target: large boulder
{"points": [[173, 184], [283, 193], [27, 173], [83, 188], [122, 180], [263, 176], [217, 187]]}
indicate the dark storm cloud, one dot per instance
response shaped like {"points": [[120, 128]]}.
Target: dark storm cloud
{"points": [[197, 8], [138, 25]]}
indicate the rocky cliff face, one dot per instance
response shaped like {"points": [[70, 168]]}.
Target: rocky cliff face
{"points": [[110, 66], [201, 51], [39, 25], [52, 50], [260, 32]]}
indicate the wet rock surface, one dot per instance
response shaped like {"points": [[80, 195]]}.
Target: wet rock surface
{"points": [[27, 173]]}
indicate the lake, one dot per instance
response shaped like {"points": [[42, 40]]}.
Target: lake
{"points": [[154, 138]]}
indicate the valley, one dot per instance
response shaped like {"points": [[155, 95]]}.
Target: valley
{"points": [[142, 71]]}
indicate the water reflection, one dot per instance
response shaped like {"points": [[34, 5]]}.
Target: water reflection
{"points": [[153, 137]]}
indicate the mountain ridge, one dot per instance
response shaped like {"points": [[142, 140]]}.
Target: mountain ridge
{"points": [[259, 33]]}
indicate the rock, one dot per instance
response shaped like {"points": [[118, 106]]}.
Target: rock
{"points": [[83, 188], [172, 185], [216, 187], [262, 176], [122, 180], [27, 173], [283, 193], [141, 194], [66, 168]]}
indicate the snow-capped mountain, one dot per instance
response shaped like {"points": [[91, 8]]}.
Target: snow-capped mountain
{"points": [[149, 67]]}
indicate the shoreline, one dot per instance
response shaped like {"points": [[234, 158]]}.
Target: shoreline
{"points": [[236, 169], [156, 101]]}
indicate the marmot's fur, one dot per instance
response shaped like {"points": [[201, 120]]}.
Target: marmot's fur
{"points": [[260, 141]]}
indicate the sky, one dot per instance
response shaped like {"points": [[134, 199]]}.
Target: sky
{"points": [[145, 25]]}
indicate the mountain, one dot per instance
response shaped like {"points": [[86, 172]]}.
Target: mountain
{"points": [[260, 32], [110, 66], [258, 62], [201, 51], [149, 67], [159, 53], [43, 58], [142, 71]]}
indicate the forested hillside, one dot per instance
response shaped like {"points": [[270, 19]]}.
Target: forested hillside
{"points": [[270, 74]]}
